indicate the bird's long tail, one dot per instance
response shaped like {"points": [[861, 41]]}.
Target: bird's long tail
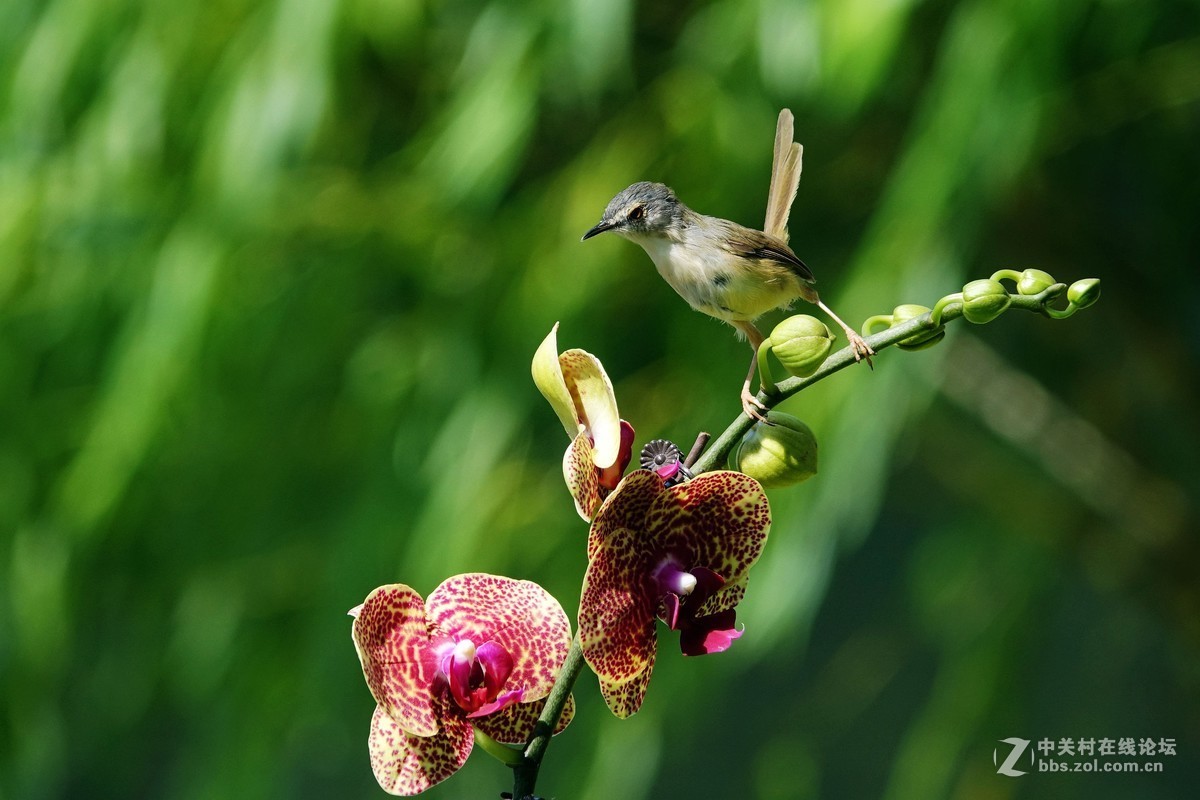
{"points": [[785, 177]]}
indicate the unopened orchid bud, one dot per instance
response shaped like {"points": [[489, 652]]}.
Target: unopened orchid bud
{"points": [[801, 344], [777, 455], [920, 341], [1034, 281], [984, 300], [1083, 293]]}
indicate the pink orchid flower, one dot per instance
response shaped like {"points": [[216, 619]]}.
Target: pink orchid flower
{"points": [[483, 651]]}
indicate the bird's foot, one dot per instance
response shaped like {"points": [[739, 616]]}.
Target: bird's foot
{"points": [[862, 350], [753, 408]]}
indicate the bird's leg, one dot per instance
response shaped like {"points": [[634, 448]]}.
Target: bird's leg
{"points": [[861, 348], [750, 403]]}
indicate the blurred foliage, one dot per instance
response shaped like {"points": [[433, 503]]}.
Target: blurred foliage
{"points": [[271, 274]]}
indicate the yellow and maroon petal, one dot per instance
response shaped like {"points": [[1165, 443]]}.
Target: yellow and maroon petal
{"points": [[611, 475], [391, 635], [583, 480], [405, 764], [720, 520], [548, 377], [626, 507], [617, 608], [725, 598], [515, 724], [520, 616], [624, 699], [595, 403]]}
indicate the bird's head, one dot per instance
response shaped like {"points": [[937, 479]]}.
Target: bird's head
{"points": [[643, 209]]}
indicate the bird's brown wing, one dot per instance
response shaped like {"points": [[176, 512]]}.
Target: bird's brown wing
{"points": [[785, 177], [752, 244]]}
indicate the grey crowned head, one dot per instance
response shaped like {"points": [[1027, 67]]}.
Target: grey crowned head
{"points": [[643, 208]]}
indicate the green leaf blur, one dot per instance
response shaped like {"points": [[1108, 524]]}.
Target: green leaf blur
{"points": [[271, 275]]}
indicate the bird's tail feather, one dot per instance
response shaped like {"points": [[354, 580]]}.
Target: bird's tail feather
{"points": [[785, 177]]}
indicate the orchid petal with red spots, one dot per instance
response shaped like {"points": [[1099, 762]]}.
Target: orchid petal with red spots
{"points": [[700, 537], [624, 699], [582, 477], [587, 483], [520, 616], [616, 615], [720, 518], [406, 764], [393, 643], [626, 508], [726, 598], [515, 724]]}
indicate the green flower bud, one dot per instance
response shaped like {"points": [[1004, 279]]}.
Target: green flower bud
{"points": [[1034, 281], [777, 455], [984, 300], [906, 312], [1083, 293], [801, 344], [921, 340]]}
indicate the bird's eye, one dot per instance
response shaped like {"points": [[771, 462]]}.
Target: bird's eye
{"points": [[636, 213]]}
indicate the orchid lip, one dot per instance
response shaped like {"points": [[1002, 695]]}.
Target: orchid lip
{"points": [[497, 665], [475, 676]]}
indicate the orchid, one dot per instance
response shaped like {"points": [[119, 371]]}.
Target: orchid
{"points": [[482, 652], [579, 391], [681, 554], [490, 661]]}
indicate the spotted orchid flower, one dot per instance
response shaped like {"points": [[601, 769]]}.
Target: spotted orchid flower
{"points": [[579, 391], [679, 554], [482, 652]]}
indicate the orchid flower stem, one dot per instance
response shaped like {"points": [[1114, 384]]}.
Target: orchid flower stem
{"points": [[950, 301], [881, 321], [947, 309], [765, 379], [508, 756], [1063, 314], [1006, 274], [525, 770]]}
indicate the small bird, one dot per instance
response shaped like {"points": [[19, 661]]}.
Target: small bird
{"points": [[723, 269]]}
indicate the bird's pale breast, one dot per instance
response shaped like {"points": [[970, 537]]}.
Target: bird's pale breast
{"points": [[720, 283]]}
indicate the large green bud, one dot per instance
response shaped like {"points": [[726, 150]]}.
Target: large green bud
{"points": [[1034, 281], [984, 300], [777, 455], [801, 344], [1082, 293], [921, 340]]}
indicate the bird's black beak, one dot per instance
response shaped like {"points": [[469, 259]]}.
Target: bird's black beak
{"points": [[600, 228]]}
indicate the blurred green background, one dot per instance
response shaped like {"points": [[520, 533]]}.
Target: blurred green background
{"points": [[271, 275]]}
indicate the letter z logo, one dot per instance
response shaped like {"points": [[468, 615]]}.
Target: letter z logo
{"points": [[1018, 749]]}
